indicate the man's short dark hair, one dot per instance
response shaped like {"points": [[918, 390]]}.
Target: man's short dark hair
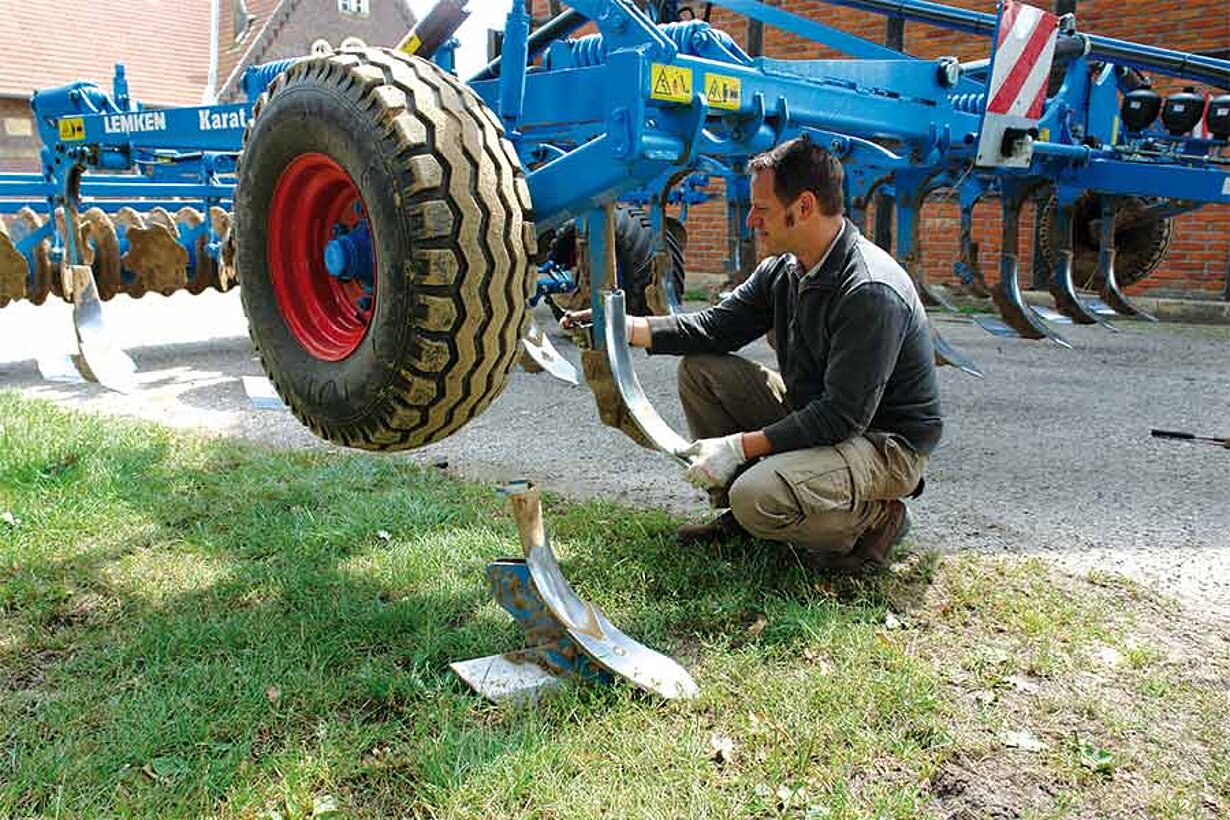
{"points": [[800, 165]]}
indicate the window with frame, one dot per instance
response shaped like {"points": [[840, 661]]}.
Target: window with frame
{"points": [[358, 8]]}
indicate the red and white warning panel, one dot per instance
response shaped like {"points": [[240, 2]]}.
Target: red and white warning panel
{"points": [[1020, 67]]}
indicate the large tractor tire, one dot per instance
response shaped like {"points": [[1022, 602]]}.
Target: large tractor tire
{"points": [[633, 258], [1138, 249], [419, 333]]}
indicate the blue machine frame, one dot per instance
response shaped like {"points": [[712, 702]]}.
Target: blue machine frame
{"points": [[665, 101]]}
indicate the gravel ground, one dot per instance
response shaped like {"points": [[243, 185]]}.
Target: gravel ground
{"points": [[1048, 455]]}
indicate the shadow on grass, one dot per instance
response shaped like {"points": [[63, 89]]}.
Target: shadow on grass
{"points": [[190, 625]]}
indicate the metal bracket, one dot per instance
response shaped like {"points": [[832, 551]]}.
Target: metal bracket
{"points": [[565, 635]]}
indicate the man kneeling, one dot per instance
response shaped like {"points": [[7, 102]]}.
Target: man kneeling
{"points": [[819, 453]]}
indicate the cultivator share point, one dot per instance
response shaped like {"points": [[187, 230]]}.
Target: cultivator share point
{"points": [[565, 635], [390, 223]]}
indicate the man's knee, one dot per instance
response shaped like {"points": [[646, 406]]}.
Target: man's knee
{"points": [[793, 503], [761, 502], [694, 370]]}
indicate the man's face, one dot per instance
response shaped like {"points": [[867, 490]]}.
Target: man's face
{"points": [[773, 221]]}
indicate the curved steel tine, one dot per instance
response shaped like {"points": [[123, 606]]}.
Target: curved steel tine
{"points": [[1011, 304], [946, 354], [619, 356], [1110, 292], [104, 360], [597, 636], [1067, 302], [1113, 296], [933, 297]]}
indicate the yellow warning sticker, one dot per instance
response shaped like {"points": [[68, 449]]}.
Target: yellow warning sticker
{"points": [[412, 45], [1044, 135], [723, 91], [670, 83], [72, 128]]}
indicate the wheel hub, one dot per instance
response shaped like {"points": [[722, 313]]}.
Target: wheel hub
{"points": [[321, 258]]}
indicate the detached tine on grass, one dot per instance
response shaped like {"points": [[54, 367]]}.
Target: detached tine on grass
{"points": [[565, 635]]}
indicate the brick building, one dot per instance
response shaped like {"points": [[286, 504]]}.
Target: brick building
{"points": [[1199, 258], [165, 51]]}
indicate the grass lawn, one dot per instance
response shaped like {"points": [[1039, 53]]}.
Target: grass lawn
{"points": [[194, 627]]}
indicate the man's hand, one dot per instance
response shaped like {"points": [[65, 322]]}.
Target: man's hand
{"points": [[714, 460], [637, 327], [575, 318]]}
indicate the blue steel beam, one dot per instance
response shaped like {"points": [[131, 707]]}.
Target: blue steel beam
{"points": [[206, 128], [811, 30], [1147, 58], [1110, 176]]}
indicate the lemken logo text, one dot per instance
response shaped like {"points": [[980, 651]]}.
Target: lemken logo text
{"points": [[135, 123]]}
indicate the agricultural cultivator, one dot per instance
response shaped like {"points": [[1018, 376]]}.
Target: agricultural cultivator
{"points": [[391, 224]]}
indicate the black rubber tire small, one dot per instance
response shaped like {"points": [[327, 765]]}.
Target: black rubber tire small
{"points": [[633, 255], [450, 218], [1138, 251]]}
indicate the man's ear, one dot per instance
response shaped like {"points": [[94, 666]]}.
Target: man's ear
{"points": [[808, 205]]}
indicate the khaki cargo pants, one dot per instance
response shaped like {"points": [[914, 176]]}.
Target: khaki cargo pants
{"points": [[820, 498]]}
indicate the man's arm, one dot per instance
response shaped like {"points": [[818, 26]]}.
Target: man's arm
{"points": [[756, 444], [638, 332], [638, 326]]}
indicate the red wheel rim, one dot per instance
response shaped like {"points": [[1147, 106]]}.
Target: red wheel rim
{"points": [[327, 316]]}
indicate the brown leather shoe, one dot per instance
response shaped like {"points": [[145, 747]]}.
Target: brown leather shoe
{"points": [[873, 550], [722, 528]]}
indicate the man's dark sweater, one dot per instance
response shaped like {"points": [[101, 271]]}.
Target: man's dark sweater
{"points": [[853, 344]]}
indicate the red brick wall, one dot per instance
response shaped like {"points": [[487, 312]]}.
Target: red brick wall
{"points": [[1196, 264]]}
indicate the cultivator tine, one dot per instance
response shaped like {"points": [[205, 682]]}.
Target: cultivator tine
{"points": [[946, 354], [967, 269], [155, 257], [909, 249], [1061, 284], [1011, 304], [1113, 296], [1110, 292], [1007, 292], [933, 297], [102, 360], [566, 635], [1067, 302], [632, 395], [14, 270]]}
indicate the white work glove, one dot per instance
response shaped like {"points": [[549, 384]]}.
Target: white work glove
{"points": [[714, 460]]}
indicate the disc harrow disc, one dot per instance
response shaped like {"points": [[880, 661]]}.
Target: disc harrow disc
{"points": [[14, 270], [99, 238], [40, 282], [126, 220], [155, 257]]}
